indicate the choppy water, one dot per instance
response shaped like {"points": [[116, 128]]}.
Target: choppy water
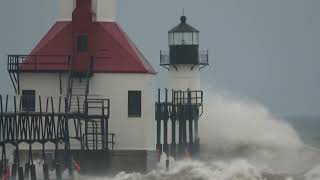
{"points": [[241, 140], [216, 170]]}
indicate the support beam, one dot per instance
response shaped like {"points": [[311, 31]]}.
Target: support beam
{"points": [[33, 172], [20, 173], [46, 171]]}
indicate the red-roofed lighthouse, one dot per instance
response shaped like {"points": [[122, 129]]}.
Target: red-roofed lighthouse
{"points": [[90, 33], [86, 55]]}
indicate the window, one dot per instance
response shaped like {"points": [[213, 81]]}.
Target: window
{"points": [[28, 99], [82, 43], [183, 38], [195, 38], [134, 103]]}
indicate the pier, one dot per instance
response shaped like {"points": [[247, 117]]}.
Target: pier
{"points": [[51, 123]]}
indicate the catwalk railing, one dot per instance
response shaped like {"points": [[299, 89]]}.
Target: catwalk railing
{"points": [[178, 112], [49, 122], [36, 63], [17, 64]]}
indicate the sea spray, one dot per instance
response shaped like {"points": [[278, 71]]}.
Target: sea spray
{"points": [[195, 170], [241, 140], [233, 128], [208, 170]]}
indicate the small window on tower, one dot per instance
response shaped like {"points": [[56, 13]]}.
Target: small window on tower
{"points": [[82, 43], [134, 103], [28, 100]]}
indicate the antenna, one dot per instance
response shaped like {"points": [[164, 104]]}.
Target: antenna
{"points": [[182, 11]]}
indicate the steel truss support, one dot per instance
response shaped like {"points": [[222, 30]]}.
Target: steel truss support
{"points": [[182, 112]]}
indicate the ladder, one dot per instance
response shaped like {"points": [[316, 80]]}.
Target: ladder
{"points": [[96, 124]]}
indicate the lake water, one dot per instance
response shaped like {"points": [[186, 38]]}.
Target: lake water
{"points": [[242, 140]]}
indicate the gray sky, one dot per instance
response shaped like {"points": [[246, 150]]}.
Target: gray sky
{"points": [[267, 50]]}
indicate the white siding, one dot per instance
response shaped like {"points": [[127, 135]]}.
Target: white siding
{"points": [[66, 8], [46, 85], [184, 78], [131, 133], [105, 10]]}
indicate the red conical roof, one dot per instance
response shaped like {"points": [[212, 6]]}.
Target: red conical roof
{"points": [[114, 52]]}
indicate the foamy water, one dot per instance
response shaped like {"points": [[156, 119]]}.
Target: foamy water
{"points": [[190, 170], [241, 140], [215, 170], [234, 128]]}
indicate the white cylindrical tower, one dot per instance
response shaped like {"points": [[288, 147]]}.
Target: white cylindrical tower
{"points": [[184, 60], [181, 77], [104, 10], [66, 8]]}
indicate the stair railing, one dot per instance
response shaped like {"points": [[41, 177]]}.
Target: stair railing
{"points": [[89, 73], [70, 82]]}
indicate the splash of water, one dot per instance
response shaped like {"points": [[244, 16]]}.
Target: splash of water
{"points": [[241, 140], [196, 170], [313, 174], [234, 128]]}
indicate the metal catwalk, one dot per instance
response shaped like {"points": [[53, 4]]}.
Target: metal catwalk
{"points": [[51, 122], [179, 113]]}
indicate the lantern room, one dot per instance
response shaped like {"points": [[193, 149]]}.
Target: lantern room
{"points": [[183, 42], [183, 34]]}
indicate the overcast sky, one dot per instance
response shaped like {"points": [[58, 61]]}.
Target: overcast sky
{"points": [[266, 50]]}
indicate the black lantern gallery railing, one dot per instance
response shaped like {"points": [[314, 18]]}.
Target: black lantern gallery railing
{"points": [[164, 58], [203, 59]]}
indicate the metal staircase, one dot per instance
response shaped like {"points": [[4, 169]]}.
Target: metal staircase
{"points": [[78, 88], [94, 136], [78, 95], [96, 126], [95, 110]]}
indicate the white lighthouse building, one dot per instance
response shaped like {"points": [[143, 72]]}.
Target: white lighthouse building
{"points": [[84, 95], [179, 109], [86, 55]]}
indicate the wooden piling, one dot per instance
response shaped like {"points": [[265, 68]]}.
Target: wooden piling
{"points": [[58, 171], [20, 173], [14, 171], [46, 172], [33, 172]]}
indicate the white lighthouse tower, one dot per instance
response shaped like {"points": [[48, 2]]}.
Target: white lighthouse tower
{"points": [[178, 113], [184, 61]]}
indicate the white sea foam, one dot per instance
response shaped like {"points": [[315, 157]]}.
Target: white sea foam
{"points": [[196, 170], [215, 170], [234, 128], [241, 140], [313, 174]]}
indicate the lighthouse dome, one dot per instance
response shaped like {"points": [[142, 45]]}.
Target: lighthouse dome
{"points": [[183, 26], [183, 34]]}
